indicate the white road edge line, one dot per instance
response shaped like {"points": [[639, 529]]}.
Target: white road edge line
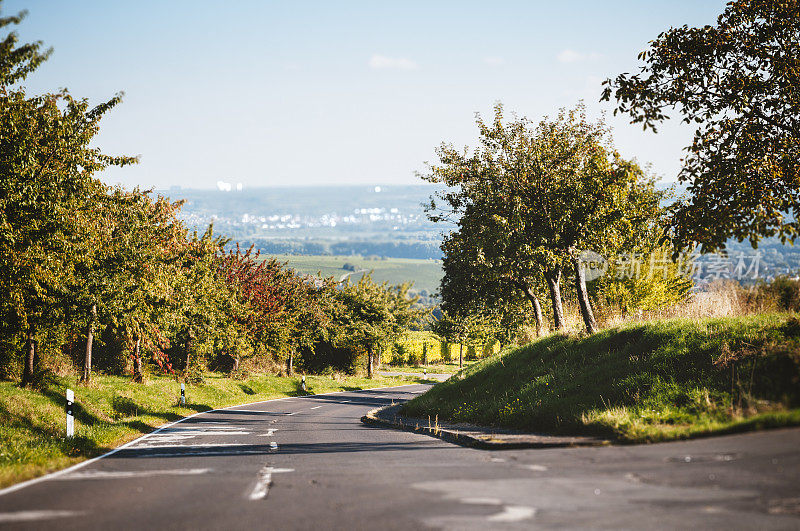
{"points": [[18, 486]]}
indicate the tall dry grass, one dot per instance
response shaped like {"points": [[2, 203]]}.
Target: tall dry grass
{"points": [[721, 298]]}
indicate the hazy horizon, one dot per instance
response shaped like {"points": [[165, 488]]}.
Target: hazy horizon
{"points": [[271, 94]]}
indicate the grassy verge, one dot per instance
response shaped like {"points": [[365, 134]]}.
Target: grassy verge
{"points": [[113, 410], [644, 382]]}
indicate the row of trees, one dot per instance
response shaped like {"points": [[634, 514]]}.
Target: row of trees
{"points": [[532, 199], [82, 263]]}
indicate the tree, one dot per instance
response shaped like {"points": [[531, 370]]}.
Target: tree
{"points": [[16, 62], [458, 328], [141, 267], [533, 197], [740, 81], [374, 314], [47, 166], [46, 191]]}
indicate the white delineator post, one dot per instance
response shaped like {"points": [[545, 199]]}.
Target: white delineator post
{"points": [[183, 394], [70, 415], [304, 382]]}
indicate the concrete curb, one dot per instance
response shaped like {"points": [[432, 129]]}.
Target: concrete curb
{"points": [[472, 436]]}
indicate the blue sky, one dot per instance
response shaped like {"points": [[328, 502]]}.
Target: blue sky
{"points": [[302, 93]]}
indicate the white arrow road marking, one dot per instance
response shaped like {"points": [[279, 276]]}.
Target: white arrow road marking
{"points": [[269, 432], [123, 474], [264, 481], [513, 513], [30, 516]]}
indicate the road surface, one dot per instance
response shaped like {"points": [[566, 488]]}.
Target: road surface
{"points": [[308, 463]]}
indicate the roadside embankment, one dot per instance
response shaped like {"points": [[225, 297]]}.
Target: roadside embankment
{"points": [[643, 382]]}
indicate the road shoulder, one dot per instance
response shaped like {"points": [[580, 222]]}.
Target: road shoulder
{"points": [[473, 436]]}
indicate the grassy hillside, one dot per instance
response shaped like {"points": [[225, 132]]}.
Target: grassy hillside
{"points": [[644, 382], [425, 274], [114, 410]]}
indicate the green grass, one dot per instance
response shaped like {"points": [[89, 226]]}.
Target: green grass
{"points": [[644, 382], [425, 274], [113, 410]]}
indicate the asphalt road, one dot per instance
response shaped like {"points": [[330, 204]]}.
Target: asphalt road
{"points": [[308, 463]]}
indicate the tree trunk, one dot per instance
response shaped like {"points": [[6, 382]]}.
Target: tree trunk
{"points": [[537, 308], [137, 361], [554, 285], [290, 364], [369, 363], [86, 377], [30, 355], [460, 355], [425, 354], [235, 364], [188, 352], [583, 298]]}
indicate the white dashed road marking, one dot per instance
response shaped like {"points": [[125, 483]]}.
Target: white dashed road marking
{"points": [[269, 433], [264, 481], [32, 516], [513, 513], [316, 407], [535, 468]]}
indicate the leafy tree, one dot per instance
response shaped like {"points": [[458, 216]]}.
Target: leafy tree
{"points": [[142, 264], [47, 166], [532, 197], [460, 327], [740, 81], [17, 61], [46, 191], [374, 314], [202, 304]]}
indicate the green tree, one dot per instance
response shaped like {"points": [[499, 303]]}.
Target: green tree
{"points": [[142, 264], [45, 194], [533, 197], [374, 314], [740, 82]]}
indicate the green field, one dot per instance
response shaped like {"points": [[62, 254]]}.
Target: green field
{"points": [[645, 382], [425, 274]]}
